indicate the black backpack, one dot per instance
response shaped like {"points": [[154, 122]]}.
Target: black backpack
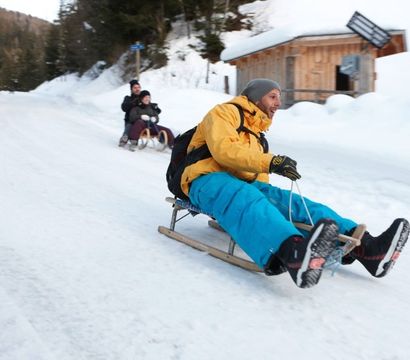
{"points": [[180, 159]]}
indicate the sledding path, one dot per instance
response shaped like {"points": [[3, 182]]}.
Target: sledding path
{"points": [[85, 275]]}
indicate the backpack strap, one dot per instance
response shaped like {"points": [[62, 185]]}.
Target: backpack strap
{"points": [[242, 116], [261, 137]]}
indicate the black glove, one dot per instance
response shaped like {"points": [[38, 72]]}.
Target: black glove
{"points": [[285, 166]]}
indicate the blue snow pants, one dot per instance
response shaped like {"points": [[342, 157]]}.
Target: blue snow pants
{"points": [[256, 214]]}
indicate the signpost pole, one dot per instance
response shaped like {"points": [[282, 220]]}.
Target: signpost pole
{"points": [[137, 59], [137, 47]]}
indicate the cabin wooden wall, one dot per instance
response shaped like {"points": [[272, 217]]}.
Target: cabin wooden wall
{"points": [[265, 64], [397, 44], [314, 63], [316, 68]]}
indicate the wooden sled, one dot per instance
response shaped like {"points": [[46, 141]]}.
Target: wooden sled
{"points": [[146, 137], [349, 242]]}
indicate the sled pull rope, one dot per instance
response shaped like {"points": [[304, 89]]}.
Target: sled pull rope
{"points": [[303, 201], [334, 260]]}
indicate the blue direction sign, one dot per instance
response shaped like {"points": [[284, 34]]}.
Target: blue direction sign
{"points": [[135, 47]]}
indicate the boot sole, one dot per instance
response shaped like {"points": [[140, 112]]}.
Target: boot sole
{"points": [[397, 245], [320, 246]]}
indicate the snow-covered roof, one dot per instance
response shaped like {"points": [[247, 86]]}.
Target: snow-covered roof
{"points": [[274, 38]]}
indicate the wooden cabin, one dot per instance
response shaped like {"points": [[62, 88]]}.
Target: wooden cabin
{"points": [[308, 67]]}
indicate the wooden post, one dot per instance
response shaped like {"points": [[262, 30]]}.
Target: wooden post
{"points": [[207, 72], [137, 60], [226, 85], [365, 75], [290, 80]]}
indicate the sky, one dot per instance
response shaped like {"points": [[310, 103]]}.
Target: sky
{"points": [[44, 9], [84, 273]]}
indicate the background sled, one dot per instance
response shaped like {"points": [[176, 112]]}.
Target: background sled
{"points": [[348, 242], [159, 141]]}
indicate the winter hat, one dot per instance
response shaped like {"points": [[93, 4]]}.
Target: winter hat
{"points": [[134, 82], [258, 88], [144, 93]]}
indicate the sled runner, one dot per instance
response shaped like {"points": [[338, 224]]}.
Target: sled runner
{"points": [[347, 243], [152, 134]]}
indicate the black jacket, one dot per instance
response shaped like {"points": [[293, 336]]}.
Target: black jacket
{"points": [[128, 103], [132, 101], [152, 110]]}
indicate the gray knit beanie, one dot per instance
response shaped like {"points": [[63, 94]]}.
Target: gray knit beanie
{"points": [[258, 88]]}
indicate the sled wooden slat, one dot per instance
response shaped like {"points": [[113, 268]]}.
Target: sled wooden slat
{"points": [[354, 239], [350, 242], [232, 259]]}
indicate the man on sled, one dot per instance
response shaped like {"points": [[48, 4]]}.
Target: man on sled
{"points": [[231, 182]]}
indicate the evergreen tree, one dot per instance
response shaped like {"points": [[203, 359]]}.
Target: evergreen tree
{"points": [[21, 56], [88, 31], [52, 53], [30, 64]]}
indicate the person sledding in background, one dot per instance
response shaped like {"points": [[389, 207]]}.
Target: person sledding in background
{"points": [[233, 185], [129, 102], [146, 115]]}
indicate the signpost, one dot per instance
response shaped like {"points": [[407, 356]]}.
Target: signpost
{"points": [[376, 36], [368, 30], [137, 47]]}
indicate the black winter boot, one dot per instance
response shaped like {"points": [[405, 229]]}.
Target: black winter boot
{"points": [[304, 257], [133, 145], [123, 141], [356, 233], [379, 254]]}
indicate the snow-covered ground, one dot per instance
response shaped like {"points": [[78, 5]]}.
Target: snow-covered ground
{"points": [[84, 274]]}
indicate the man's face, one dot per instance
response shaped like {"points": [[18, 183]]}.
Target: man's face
{"points": [[270, 103], [136, 89]]}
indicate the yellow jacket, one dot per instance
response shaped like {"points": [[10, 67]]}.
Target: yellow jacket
{"points": [[239, 154]]}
